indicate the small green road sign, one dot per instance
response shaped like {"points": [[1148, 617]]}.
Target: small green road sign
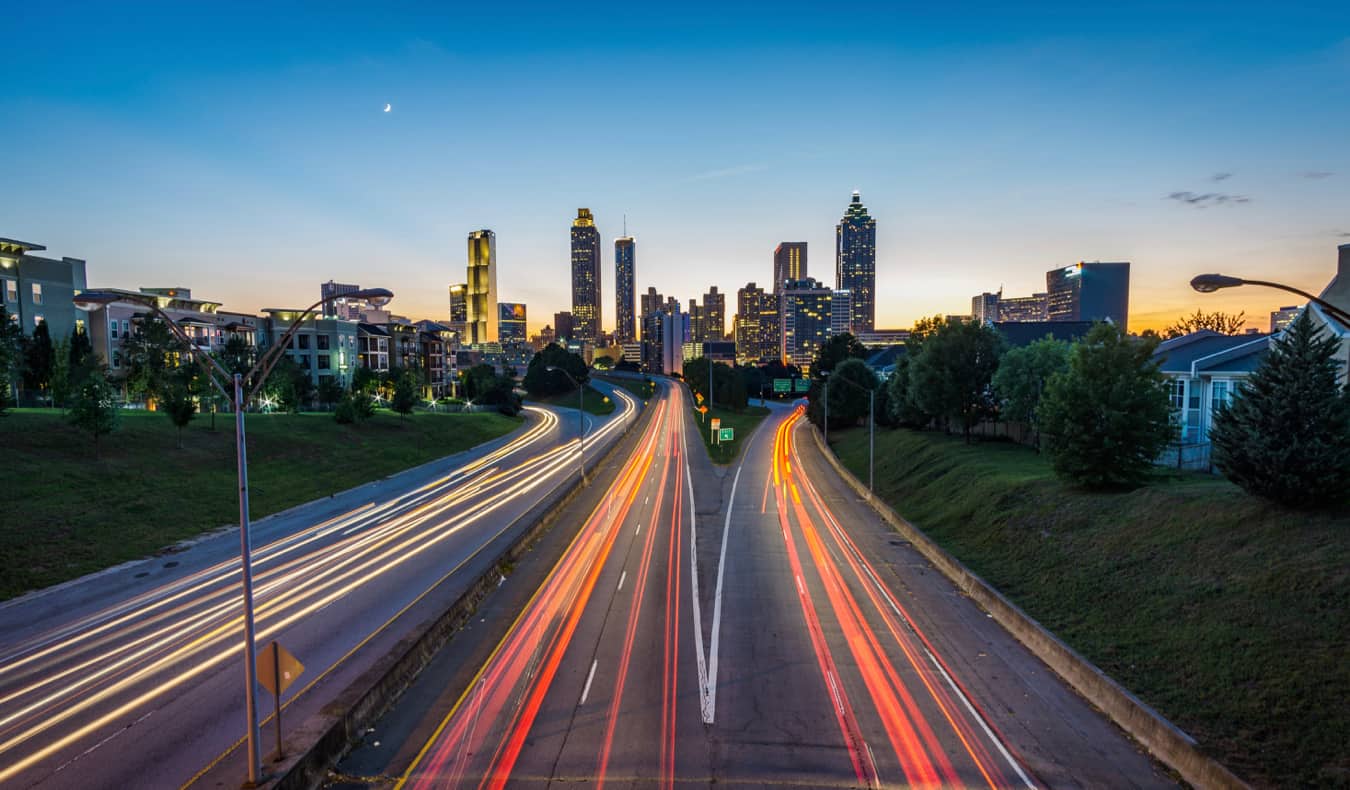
{"points": [[782, 385], [803, 385], [726, 435]]}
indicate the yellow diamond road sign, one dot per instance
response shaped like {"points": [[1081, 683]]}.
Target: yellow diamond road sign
{"points": [[277, 668]]}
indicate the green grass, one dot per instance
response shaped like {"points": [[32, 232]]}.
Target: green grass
{"points": [[639, 387], [593, 401], [65, 514], [744, 422], [1228, 615]]}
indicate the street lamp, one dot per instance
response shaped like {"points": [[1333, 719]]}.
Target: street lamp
{"points": [[581, 416], [1209, 283], [220, 378], [871, 423]]}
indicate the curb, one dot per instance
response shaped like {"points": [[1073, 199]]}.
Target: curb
{"points": [[1163, 740], [328, 735]]}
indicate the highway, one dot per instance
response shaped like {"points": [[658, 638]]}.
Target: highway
{"points": [[753, 626], [134, 678]]}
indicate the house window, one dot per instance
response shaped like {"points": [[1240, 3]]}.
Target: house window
{"points": [[304, 360], [37, 320], [324, 363], [1220, 394], [321, 342], [1177, 395], [37, 293], [112, 330], [11, 291], [126, 328], [117, 359], [302, 341]]}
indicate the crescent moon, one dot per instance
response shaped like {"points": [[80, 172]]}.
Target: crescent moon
{"points": [[388, 107]]}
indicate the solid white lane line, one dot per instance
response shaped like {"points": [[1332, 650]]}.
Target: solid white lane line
{"points": [[699, 659], [585, 692], [622, 576], [710, 694]]}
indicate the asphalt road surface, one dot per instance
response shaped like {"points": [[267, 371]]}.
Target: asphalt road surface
{"points": [[755, 625], [133, 677]]}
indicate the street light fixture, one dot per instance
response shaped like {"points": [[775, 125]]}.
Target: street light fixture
{"points": [[220, 378], [581, 416], [1209, 283]]}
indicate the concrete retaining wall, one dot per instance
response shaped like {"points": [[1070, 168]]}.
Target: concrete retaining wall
{"points": [[1159, 736]]}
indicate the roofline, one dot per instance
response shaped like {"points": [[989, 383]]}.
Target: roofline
{"points": [[1263, 339]]}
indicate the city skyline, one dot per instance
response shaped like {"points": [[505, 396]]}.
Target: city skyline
{"points": [[995, 149]]}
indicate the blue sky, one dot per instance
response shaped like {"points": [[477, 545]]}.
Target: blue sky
{"points": [[243, 151]]}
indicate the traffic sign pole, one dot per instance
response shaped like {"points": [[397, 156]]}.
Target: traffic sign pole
{"points": [[276, 683]]}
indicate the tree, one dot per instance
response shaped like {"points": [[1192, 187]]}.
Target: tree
{"points": [[354, 407], [405, 394], [178, 403], [1022, 376], [1223, 323], [289, 385], [951, 374], [329, 391], [80, 349], [1286, 435], [11, 356], [483, 386], [540, 382], [835, 350], [364, 380], [60, 374], [849, 383], [149, 353], [92, 408], [39, 356], [1107, 417]]}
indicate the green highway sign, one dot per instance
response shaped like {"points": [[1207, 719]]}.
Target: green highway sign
{"points": [[803, 385], [726, 434], [782, 385]]}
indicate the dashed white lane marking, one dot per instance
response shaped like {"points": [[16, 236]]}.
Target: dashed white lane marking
{"points": [[585, 692], [622, 576]]}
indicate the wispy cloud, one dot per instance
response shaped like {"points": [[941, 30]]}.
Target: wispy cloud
{"points": [[1345, 234], [725, 172], [1220, 176], [1204, 199], [1316, 174]]}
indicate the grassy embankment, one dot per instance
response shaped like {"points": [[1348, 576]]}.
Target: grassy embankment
{"points": [[65, 514], [743, 422], [1228, 615], [593, 401], [642, 389]]}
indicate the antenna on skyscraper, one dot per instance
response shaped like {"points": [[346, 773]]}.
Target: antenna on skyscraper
{"points": [[625, 223]]}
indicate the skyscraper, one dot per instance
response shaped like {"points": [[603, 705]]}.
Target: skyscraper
{"points": [[714, 315], [511, 322], [789, 263], [1089, 292], [563, 325], [459, 311], [586, 312], [481, 298], [625, 289], [806, 310], [697, 333], [750, 301], [855, 264]]}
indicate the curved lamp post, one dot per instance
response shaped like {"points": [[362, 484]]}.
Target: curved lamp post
{"points": [[581, 416], [221, 379], [1209, 283]]}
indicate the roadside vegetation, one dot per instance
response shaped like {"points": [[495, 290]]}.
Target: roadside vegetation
{"points": [[742, 422], [1228, 614], [67, 512]]}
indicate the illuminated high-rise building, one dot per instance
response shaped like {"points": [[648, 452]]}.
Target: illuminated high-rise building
{"points": [[586, 311], [855, 264], [459, 310], [625, 290], [789, 263], [756, 325], [714, 316], [697, 333], [481, 297], [806, 310], [511, 323]]}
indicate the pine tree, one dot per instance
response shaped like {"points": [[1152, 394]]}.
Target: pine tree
{"points": [[1286, 435]]}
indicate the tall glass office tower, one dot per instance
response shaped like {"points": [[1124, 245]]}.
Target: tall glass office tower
{"points": [[480, 301], [586, 310], [855, 264], [625, 290]]}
